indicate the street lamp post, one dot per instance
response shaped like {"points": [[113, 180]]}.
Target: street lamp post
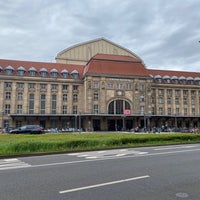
{"points": [[76, 122], [145, 123], [79, 122]]}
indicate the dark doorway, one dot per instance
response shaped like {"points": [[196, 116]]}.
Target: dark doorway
{"points": [[96, 125], [115, 125], [43, 124], [129, 124]]}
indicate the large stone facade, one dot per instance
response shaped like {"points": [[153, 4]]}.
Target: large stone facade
{"points": [[97, 85]]}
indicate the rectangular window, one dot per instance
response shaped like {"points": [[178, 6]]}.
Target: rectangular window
{"points": [[31, 85], [7, 109], [153, 111], [142, 88], [169, 111], [64, 97], [43, 86], [193, 92], [160, 92], [193, 111], [177, 101], [177, 92], [193, 101], [8, 96], [169, 101], [96, 84], [160, 100], [110, 86], [128, 86], [185, 101], [65, 87], [53, 104], [42, 103], [96, 96], [18, 123], [19, 96], [8, 84], [75, 97], [142, 110], [64, 110], [54, 86], [20, 85], [75, 87], [75, 110], [96, 109], [177, 111], [142, 98], [185, 111], [31, 103], [185, 92], [119, 86], [169, 91], [19, 109], [160, 111]]}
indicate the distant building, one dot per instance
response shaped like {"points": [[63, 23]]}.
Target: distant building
{"points": [[97, 85]]}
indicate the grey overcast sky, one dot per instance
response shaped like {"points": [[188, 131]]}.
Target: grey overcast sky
{"points": [[165, 34]]}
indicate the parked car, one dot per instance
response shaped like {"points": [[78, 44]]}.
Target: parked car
{"points": [[28, 129]]}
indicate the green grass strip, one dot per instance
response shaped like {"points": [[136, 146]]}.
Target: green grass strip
{"points": [[49, 143]]}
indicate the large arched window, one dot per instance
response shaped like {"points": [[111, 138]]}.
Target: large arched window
{"points": [[118, 107]]}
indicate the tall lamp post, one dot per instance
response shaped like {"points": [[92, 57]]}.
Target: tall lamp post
{"points": [[79, 121]]}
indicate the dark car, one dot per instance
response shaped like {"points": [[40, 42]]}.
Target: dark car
{"points": [[28, 129]]}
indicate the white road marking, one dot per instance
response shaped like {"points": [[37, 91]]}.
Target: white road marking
{"points": [[84, 155], [122, 154], [12, 164], [92, 157], [108, 153], [104, 184], [168, 148], [101, 151]]}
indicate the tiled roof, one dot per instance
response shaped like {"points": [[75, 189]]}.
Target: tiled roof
{"points": [[115, 65], [169, 73], [15, 64]]}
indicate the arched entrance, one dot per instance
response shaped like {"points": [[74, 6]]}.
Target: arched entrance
{"points": [[118, 122]]}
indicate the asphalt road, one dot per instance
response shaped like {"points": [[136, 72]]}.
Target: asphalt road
{"points": [[154, 173]]}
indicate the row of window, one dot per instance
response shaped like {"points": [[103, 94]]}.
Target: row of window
{"points": [[21, 71], [115, 107], [176, 80], [120, 86], [19, 108], [31, 96], [176, 92], [161, 100], [177, 111], [42, 86]]}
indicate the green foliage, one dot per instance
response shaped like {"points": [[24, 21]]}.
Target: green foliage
{"points": [[27, 144]]}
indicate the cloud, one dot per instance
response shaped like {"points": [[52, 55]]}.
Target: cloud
{"points": [[165, 35]]}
